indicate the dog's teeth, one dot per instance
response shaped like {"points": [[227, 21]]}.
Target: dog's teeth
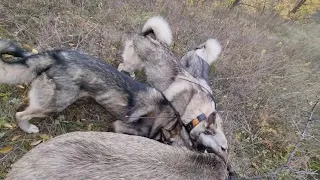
{"points": [[205, 151]]}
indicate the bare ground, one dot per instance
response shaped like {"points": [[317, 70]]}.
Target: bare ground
{"points": [[265, 82]]}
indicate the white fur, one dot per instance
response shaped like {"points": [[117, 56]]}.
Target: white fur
{"points": [[204, 85], [210, 51], [41, 92], [161, 29], [131, 61], [216, 142], [15, 74], [175, 89]]}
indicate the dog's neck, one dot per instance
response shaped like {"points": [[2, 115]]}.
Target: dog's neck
{"points": [[175, 134]]}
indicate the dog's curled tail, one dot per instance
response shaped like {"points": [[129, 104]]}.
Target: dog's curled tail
{"points": [[14, 72], [160, 27], [210, 51]]}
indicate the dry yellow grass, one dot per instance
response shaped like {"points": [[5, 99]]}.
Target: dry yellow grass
{"points": [[265, 81]]}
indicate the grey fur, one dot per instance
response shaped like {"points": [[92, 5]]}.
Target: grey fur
{"points": [[103, 155], [197, 61], [60, 77], [190, 96], [196, 66]]}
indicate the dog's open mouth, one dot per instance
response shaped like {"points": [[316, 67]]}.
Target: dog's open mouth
{"points": [[204, 149]]}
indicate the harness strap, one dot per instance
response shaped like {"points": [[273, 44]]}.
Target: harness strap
{"points": [[176, 113]]}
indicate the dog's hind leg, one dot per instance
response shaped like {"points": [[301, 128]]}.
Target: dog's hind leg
{"points": [[44, 98], [40, 96], [24, 116]]}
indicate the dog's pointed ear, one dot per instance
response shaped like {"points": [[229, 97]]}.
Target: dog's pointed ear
{"points": [[211, 119]]}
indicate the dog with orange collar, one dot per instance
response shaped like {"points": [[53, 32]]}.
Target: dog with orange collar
{"points": [[190, 96]]}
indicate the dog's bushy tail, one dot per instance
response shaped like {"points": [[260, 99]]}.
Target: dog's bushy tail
{"points": [[160, 28], [210, 51], [10, 47], [15, 72]]}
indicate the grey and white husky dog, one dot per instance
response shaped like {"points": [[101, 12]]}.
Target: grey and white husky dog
{"points": [[191, 96], [60, 77]]}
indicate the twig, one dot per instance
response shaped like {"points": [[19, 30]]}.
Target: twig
{"points": [[291, 155], [302, 136]]}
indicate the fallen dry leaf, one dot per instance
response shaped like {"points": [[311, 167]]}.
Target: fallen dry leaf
{"points": [[44, 137], [307, 64], [26, 46], [255, 165], [8, 125], [13, 125], [15, 137], [6, 149], [90, 126], [35, 143], [7, 56], [34, 51], [20, 86]]}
